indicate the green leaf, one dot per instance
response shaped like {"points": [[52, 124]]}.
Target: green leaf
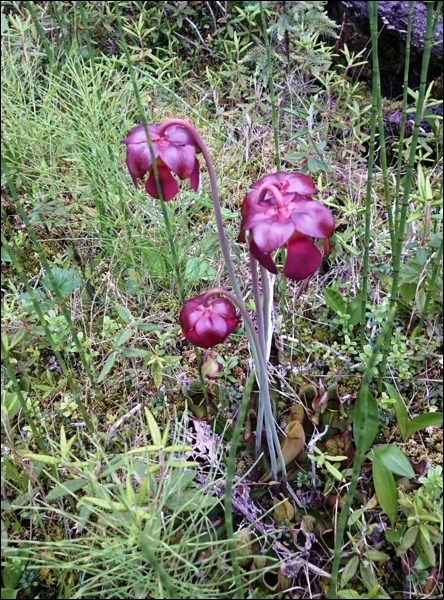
{"points": [[407, 291], [350, 570], [395, 460], [68, 487], [123, 337], [197, 270], [350, 595], [401, 413], [136, 353], [407, 540], [365, 421], [376, 556], [66, 280], [8, 593], [109, 364], [5, 257], [157, 373], [354, 309], [385, 488], [43, 458], [423, 421], [425, 550], [335, 301], [154, 428], [124, 313]]}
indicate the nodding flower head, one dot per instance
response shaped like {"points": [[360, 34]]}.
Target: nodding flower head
{"points": [[279, 213], [207, 320], [174, 152]]}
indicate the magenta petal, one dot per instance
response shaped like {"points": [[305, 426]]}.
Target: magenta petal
{"points": [[179, 159], [178, 135], [272, 234], [300, 184], [264, 259], [138, 161], [210, 330], [195, 176], [224, 308], [303, 259], [313, 219], [167, 183]]}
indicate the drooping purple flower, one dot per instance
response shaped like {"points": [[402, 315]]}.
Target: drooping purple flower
{"points": [[286, 220], [207, 320], [175, 152]]}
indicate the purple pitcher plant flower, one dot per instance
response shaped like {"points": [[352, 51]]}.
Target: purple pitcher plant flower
{"points": [[175, 152], [208, 319], [279, 213]]}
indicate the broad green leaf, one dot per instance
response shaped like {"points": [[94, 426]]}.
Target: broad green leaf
{"points": [[153, 428], [157, 373], [9, 593], [106, 504], [123, 337], [402, 415], [350, 570], [385, 488], [335, 301], [349, 595], [5, 256], [123, 313], [407, 291], [425, 550], [43, 458], [354, 309], [395, 460], [66, 280], [109, 364], [136, 353], [423, 421], [376, 556], [68, 487], [365, 421], [334, 471], [407, 540], [197, 270]]}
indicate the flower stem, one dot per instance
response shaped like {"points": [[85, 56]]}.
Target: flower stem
{"points": [[274, 446], [377, 99], [231, 465], [404, 109], [402, 222], [214, 194], [274, 111]]}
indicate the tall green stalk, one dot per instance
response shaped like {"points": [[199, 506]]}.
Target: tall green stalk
{"points": [[271, 90], [365, 428], [231, 468], [405, 95], [41, 34], [377, 95], [368, 207], [400, 234], [431, 291]]}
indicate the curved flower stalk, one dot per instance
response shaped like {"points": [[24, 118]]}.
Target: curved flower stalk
{"points": [[279, 213]]}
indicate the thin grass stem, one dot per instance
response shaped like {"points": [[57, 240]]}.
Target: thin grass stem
{"points": [[271, 90], [377, 96], [394, 291]]}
